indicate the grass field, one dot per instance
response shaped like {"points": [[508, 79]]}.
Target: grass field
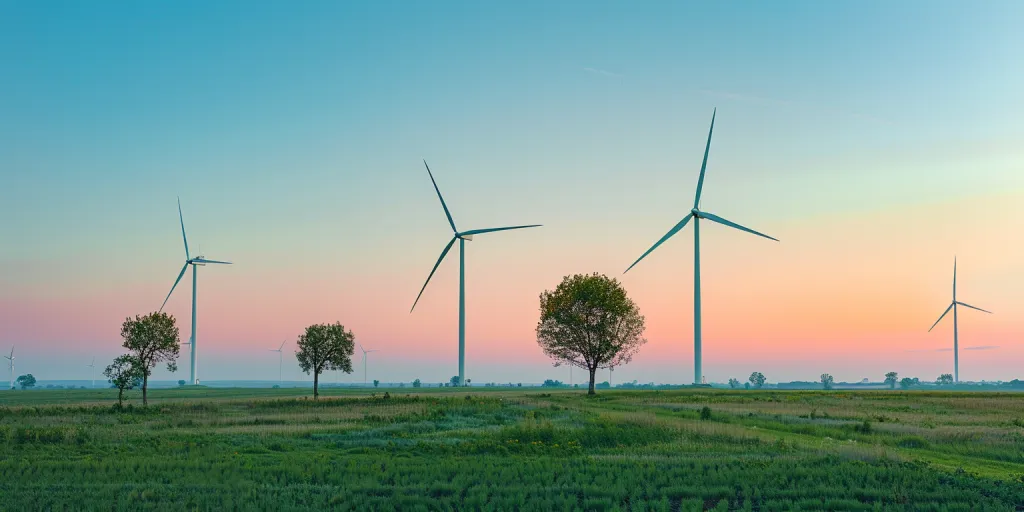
{"points": [[443, 449]]}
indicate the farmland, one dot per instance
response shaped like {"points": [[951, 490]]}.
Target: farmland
{"points": [[694, 449]]}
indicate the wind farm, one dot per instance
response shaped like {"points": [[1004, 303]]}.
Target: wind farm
{"points": [[855, 155]]}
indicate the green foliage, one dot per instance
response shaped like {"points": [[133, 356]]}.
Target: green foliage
{"points": [[946, 379], [376, 383], [589, 322], [151, 340], [550, 383], [705, 413], [906, 382], [757, 379], [325, 347], [181, 382], [891, 379], [124, 373], [26, 381], [416, 383], [734, 383], [826, 381], [519, 449]]}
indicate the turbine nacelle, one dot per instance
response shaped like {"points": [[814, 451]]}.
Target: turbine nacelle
{"points": [[468, 238], [695, 212]]}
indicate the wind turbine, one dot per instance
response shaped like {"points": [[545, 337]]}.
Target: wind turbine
{"points": [[364, 360], [280, 362], [10, 364], [198, 261], [956, 340], [462, 237], [92, 371], [696, 215]]}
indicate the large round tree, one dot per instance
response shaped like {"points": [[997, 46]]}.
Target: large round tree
{"points": [[325, 347], [589, 322]]}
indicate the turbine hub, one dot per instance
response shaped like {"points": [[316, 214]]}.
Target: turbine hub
{"points": [[695, 212]]}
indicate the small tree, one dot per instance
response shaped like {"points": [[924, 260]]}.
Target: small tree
{"points": [[945, 379], [151, 339], [891, 379], [123, 373], [906, 382], [181, 382], [26, 381], [746, 385], [826, 381], [454, 381], [589, 322], [325, 347], [376, 383], [757, 379], [416, 383], [734, 383]]}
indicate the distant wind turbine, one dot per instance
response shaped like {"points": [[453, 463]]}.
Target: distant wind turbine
{"points": [[364, 360], [956, 338], [92, 371], [10, 365], [198, 261], [462, 237], [280, 362], [696, 215]]}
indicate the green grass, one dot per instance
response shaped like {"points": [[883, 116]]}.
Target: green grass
{"points": [[505, 449]]}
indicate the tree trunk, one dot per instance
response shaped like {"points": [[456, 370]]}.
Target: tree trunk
{"points": [[120, 397], [145, 387], [316, 382], [593, 371]]}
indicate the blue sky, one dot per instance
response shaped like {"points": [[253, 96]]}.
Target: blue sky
{"points": [[294, 131]]}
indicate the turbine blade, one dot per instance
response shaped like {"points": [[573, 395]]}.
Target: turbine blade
{"points": [[972, 307], [443, 254], [675, 229], [941, 317], [282, 345], [491, 230], [731, 224], [954, 279], [704, 164], [176, 281], [203, 260], [182, 219], [446, 212]]}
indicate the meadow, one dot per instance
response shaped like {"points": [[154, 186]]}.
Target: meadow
{"points": [[512, 449]]}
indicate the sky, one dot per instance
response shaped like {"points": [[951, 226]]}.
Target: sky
{"points": [[877, 140]]}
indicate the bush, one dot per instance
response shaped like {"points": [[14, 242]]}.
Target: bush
{"points": [[705, 413]]}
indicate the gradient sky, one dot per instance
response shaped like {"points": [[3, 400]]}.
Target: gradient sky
{"points": [[877, 140]]}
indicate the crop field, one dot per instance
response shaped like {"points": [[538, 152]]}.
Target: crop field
{"points": [[457, 449]]}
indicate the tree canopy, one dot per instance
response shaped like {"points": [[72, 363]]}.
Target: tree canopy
{"points": [[26, 381], [123, 373], [325, 347], [757, 379], [891, 379], [589, 322], [826, 381], [151, 340]]}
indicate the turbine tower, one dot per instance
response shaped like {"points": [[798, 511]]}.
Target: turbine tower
{"points": [[462, 237], [956, 338], [280, 361], [92, 371], [198, 261], [364, 360], [697, 215], [10, 365]]}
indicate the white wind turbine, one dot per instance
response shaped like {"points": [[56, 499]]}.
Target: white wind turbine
{"points": [[10, 364], [196, 262], [697, 215], [280, 361], [364, 360], [92, 371], [956, 336]]}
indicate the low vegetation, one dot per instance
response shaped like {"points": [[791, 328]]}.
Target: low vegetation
{"points": [[501, 449]]}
